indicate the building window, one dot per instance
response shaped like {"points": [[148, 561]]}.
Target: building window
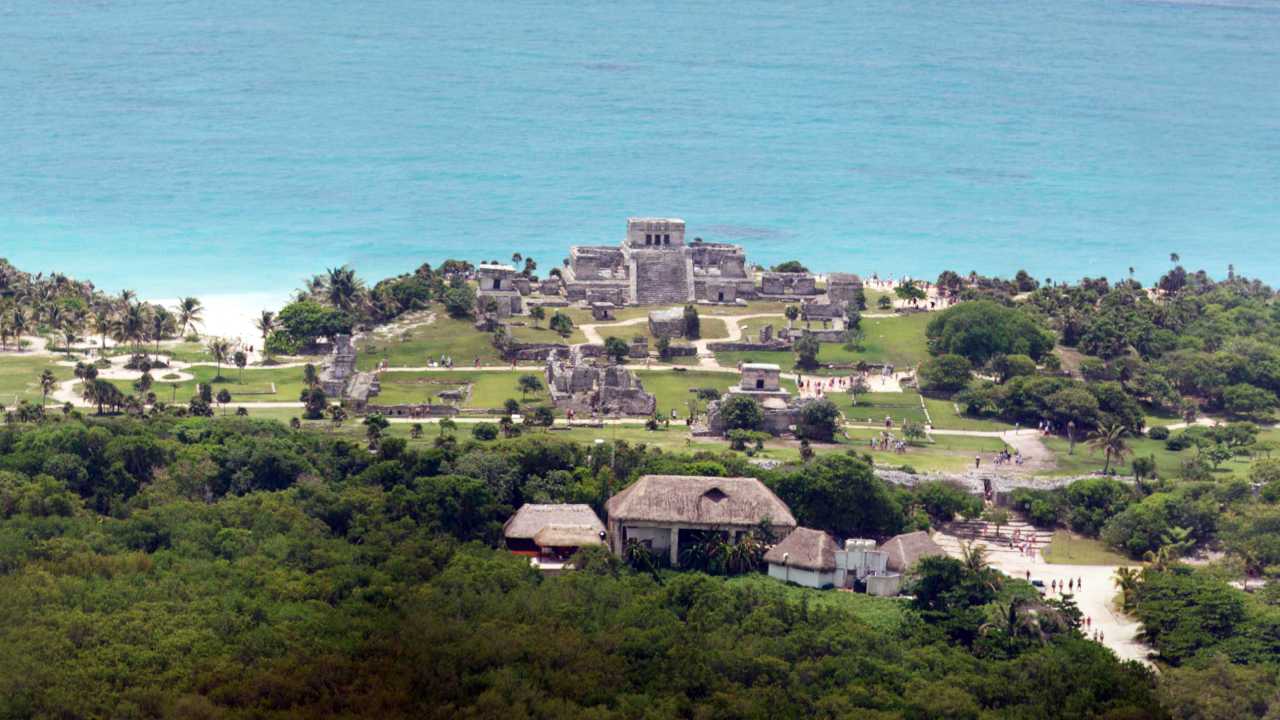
{"points": [[759, 383], [648, 239], [497, 284], [666, 239]]}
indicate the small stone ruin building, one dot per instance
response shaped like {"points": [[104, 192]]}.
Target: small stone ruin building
{"points": [[499, 283], [761, 380], [762, 383], [340, 380], [603, 311], [842, 288], [667, 323], [777, 284], [577, 384]]}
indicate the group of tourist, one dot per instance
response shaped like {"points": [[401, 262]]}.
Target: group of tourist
{"points": [[446, 361], [1026, 545], [885, 441]]}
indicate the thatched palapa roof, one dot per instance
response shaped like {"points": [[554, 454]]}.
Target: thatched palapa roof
{"points": [[532, 519], [909, 548], [695, 500], [563, 536], [805, 548]]}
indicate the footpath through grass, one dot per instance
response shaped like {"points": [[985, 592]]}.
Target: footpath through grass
{"points": [[20, 376], [419, 346]]}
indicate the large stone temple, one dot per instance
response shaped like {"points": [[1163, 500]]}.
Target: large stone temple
{"points": [[654, 266]]}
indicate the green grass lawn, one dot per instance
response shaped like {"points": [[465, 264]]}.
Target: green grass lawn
{"points": [[784, 359], [255, 387], [897, 340], [1168, 463], [542, 334], [873, 407], [883, 614], [20, 376], [945, 416], [672, 388], [751, 328], [489, 390], [1067, 548], [420, 345], [947, 453]]}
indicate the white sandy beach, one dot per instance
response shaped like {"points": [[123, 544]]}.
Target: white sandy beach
{"points": [[234, 316]]}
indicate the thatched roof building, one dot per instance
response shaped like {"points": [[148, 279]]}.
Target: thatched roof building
{"points": [[535, 528], [805, 548], [909, 548], [656, 509], [695, 500]]}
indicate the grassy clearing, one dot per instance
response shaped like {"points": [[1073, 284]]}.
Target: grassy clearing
{"points": [[489, 390], [1168, 463], [1067, 548], [873, 407], [751, 328], [20, 376], [255, 387], [671, 388], [883, 614], [542, 334], [420, 345], [947, 453], [897, 340], [945, 416]]}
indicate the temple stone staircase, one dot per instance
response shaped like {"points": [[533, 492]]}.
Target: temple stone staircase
{"points": [[982, 533]]}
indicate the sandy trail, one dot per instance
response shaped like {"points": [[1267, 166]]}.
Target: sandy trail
{"points": [[1095, 596]]}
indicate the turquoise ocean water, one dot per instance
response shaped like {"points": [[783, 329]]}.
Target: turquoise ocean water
{"points": [[232, 146]]}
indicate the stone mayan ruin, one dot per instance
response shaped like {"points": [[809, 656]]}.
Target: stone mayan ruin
{"points": [[761, 382], [340, 380], [576, 383], [501, 290], [655, 266]]}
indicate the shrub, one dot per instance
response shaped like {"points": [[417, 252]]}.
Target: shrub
{"points": [[1158, 432], [484, 431]]}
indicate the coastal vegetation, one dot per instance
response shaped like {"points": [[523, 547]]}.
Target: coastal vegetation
{"points": [[153, 487]]}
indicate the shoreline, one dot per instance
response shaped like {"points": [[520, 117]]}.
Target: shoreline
{"points": [[233, 316]]}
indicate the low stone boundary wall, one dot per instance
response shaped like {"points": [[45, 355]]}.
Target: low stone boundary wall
{"points": [[747, 346], [412, 411]]}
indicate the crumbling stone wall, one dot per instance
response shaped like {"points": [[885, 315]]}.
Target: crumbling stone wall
{"points": [[783, 283]]}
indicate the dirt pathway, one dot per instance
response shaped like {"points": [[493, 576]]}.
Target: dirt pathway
{"points": [[1095, 596]]}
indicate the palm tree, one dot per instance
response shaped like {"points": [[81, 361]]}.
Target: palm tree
{"points": [[974, 557], [69, 338], [161, 323], [1024, 618], [342, 287], [1110, 440], [219, 349], [18, 323], [189, 313], [1127, 580], [1174, 258], [133, 324], [102, 323], [47, 383], [266, 323]]}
